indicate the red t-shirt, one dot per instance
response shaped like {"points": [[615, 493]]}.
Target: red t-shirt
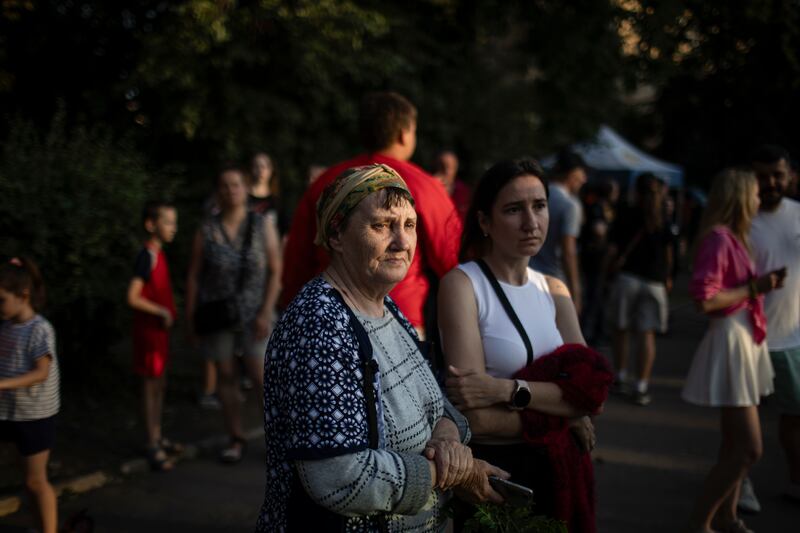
{"points": [[438, 236]]}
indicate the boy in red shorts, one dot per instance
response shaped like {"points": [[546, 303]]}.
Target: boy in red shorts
{"points": [[150, 296]]}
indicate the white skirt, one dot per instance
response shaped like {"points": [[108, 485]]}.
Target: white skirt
{"points": [[729, 369]]}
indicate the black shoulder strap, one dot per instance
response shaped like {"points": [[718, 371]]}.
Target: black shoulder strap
{"points": [[369, 367], [248, 238], [507, 306]]}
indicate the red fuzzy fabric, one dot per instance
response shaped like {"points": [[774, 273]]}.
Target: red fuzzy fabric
{"points": [[584, 377]]}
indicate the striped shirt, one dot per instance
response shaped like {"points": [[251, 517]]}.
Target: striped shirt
{"points": [[21, 345]]}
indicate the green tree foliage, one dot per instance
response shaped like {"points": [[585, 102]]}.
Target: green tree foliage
{"points": [[71, 199], [726, 76]]}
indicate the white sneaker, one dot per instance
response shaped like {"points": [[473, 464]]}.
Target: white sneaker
{"points": [[748, 503]]}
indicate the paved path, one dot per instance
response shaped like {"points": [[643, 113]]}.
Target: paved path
{"points": [[651, 461], [199, 496]]}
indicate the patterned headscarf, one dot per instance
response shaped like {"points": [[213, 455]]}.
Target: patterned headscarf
{"points": [[345, 192]]}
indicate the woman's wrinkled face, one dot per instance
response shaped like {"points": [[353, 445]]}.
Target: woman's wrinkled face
{"points": [[517, 225], [231, 190], [377, 244]]}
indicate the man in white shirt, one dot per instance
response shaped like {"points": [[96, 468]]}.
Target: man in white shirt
{"points": [[775, 239]]}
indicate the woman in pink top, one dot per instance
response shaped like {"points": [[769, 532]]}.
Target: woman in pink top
{"points": [[731, 367]]}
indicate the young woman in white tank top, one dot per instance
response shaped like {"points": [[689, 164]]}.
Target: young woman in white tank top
{"points": [[505, 226]]}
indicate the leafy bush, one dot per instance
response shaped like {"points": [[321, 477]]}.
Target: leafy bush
{"points": [[495, 518], [71, 199]]}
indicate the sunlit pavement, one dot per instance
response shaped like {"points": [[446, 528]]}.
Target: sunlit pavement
{"points": [[651, 461]]}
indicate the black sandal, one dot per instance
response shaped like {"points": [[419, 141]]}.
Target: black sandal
{"points": [[234, 452], [158, 459]]}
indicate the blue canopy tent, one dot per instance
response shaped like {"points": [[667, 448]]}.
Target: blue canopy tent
{"points": [[609, 155]]}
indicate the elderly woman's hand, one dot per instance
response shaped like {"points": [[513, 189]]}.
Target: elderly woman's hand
{"points": [[453, 462], [470, 389], [476, 487]]}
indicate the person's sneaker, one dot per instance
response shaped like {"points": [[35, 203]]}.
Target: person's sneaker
{"points": [[210, 402], [641, 398], [748, 503]]}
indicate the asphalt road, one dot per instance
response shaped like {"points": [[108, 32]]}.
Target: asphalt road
{"points": [[199, 496]]}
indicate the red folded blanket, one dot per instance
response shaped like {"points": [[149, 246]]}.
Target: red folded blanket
{"points": [[584, 377]]}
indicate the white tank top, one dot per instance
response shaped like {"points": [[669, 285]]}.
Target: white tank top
{"points": [[502, 345]]}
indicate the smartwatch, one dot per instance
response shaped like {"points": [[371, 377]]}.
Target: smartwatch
{"points": [[521, 396]]}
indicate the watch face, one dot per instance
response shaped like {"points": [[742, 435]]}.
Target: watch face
{"points": [[522, 397]]}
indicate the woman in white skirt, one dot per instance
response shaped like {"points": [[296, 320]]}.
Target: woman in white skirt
{"points": [[731, 369]]}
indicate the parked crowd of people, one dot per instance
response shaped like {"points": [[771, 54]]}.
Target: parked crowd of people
{"points": [[369, 426]]}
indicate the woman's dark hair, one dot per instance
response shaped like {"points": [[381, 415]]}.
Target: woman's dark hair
{"points": [[21, 274], [224, 169], [566, 162], [473, 243]]}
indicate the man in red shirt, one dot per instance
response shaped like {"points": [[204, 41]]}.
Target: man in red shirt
{"points": [[388, 124]]}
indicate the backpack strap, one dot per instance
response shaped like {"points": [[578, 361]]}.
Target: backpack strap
{"points": [[512, 315]]}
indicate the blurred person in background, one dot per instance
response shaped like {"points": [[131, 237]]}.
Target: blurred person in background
{"points": [[445, 169], [775, 238], [388, 123], [641, 257], [600, 207], [263, 197], [559, 255], [232, 286], [731, 369]]}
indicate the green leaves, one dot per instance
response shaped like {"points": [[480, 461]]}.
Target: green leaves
{"points": [[495, 518]]}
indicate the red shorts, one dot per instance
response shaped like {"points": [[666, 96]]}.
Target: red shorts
{"points": [[150, 352]]}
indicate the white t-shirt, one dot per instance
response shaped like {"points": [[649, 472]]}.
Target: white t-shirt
{"points": [[775, 238], [503, 347]]}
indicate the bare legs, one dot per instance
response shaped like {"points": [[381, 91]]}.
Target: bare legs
{"points": [[645, 356], [226, 372], [740, 449], [209, 377], [39, 487], [152, 408]]}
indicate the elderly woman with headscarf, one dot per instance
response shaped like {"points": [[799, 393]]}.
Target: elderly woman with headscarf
{"points": [[359, 436]]}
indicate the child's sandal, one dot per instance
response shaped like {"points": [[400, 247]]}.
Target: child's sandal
{"points": [[171, 447], [234, 452], [158, 459]]}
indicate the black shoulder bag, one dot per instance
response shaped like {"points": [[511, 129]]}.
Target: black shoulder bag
{"points": [[218, 315], [507, 306]]}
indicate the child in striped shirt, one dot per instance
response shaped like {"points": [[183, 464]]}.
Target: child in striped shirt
{"points": [[29, 383]]}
